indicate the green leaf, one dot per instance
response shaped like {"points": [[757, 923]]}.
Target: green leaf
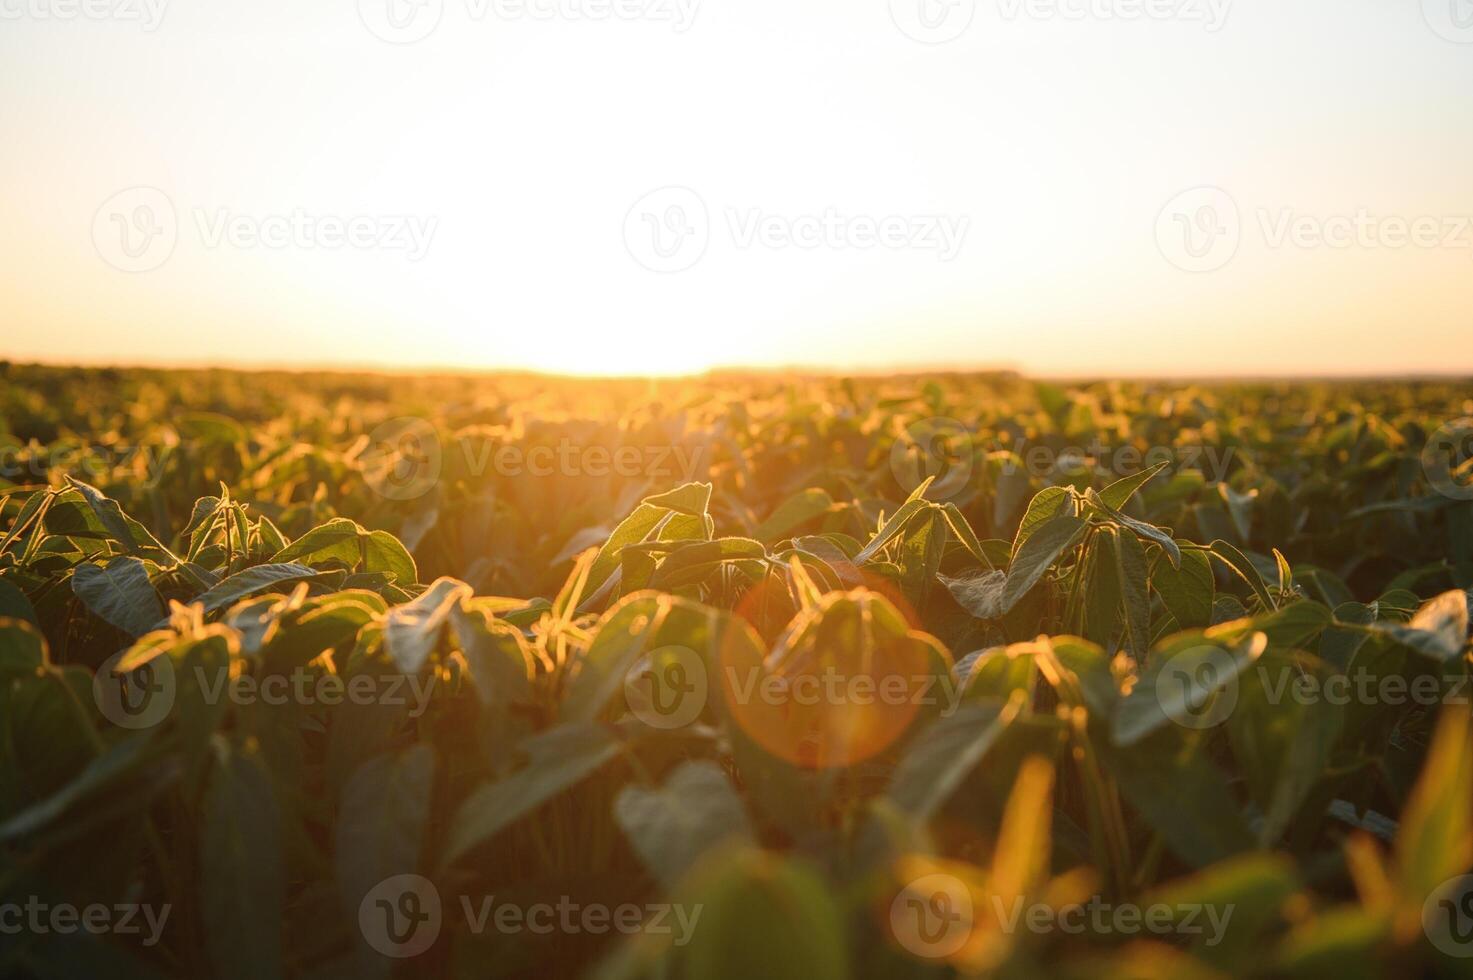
{"points": [[695, 561], [1117, 494], [22, 649], [964, 533], [1435, 840], [1438, 630], [1134, 577], [765, 916], [893, 526], [335, 540], [557, 759], [1187, 591], [241, 868], [120, 594], [672, 826], [382, 552], [797, 510], [381, 822], [1039, 552], [693, 499], [15, 604], [1046, 504], [411, 631], [937, 762], [1243, 568], [1182, 796], [248, 582], [1141, 529], [1179, 681]]}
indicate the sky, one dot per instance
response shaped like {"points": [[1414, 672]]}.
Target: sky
{"points": [[1061, 187]]}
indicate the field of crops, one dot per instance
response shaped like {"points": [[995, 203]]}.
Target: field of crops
{"points": [[745, 676]]}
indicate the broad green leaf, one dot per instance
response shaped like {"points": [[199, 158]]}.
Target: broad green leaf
{"points": [[939, 759], [781, 900], [15, 604], [557, 759], [672, 826], [1438, 630], [242, 876], [1179, 681], [381, 821], [1038, 553], [335, 540], [1187, 591], [797, 510], [1047, 504], [120, 593], [1117, 494], [1241, 566], [382, 552], [411, 631], [249, 582], [1435, 840], [1134, 578]]}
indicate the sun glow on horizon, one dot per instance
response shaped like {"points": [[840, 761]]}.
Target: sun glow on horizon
{"points": [[754, 185]]}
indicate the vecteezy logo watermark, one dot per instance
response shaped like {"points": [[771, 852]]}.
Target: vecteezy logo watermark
{"points": [[40, 918], [669, 230], [933, 21], [1212, 14], [830, 229], [408, 21], [1198, 688], [144, 696], [948, 449], [932, 916], [936, 447], [403, 459], [138, 698], [1451, 19], [667, 688], [402, 916], [1447, 917], [1200, 229], [137, 230], [401, 21], [1101, 918], [36, 463], [1364, 687], [147, 13], [1446, 459]]}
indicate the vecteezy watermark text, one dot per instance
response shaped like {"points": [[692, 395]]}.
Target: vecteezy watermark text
{"points": [[41, 918], [1202, 229], [145, 696], [138, 230], [670, 230], [411, 21], [402, 916], [934, 915], [148, 14], [404, 458]]}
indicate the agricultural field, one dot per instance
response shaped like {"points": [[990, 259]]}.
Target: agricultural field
{"points": [[337, 675]]}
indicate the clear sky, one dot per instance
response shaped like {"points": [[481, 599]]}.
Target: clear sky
{"points": [[654, 186]]}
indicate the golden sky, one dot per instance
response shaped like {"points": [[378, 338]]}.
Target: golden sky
{"points": [[658, 186]]}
